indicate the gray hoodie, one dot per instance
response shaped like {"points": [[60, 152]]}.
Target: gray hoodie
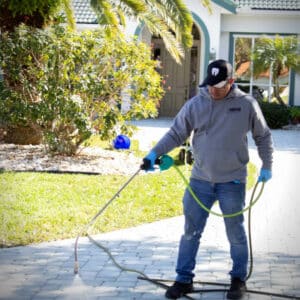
{"points": [[220, 127]]}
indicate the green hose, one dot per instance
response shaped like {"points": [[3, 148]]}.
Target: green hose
{"points": [[166, 162], [252, 202]]}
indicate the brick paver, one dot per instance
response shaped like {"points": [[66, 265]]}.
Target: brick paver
{"points": [[45, 271]]}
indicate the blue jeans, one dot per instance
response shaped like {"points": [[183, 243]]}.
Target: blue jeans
{"points": [[231, 197]]}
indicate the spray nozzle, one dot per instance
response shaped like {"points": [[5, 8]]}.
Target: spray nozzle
{"points": [[164, 163]]}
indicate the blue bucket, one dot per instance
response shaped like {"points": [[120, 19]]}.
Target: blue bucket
{"points": [[121, 142]]}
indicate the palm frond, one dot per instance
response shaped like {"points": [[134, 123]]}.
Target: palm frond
{"points": [[121, 16], [207, 5], [158, 27], [177, 16], [130, 8], [105, 13], [68, 9], [137, 6], [170, 19]]}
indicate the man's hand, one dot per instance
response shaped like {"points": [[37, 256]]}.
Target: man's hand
{"points": [[149, 161], [265, 175]]}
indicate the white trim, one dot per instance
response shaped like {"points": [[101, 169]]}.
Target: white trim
{"points": [[245, 11]]}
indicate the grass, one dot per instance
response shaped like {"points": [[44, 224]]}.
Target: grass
{"points": [[37, 207]]}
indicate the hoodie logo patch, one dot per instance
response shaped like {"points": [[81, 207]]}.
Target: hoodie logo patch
{"points": [[235, 109]]}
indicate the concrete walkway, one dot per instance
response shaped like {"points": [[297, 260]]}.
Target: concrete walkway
{"points": [[45, 271]]}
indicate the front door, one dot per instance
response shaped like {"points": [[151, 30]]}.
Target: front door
{"points": [[180, 80]]}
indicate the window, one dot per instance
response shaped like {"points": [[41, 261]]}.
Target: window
{"points": [[261, 85]]}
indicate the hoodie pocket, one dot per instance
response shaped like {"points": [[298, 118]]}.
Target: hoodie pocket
{"points": [[226, 161]]}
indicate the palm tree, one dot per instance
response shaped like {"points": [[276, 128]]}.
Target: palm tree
{"points": [[275, 56], [170, 19]]}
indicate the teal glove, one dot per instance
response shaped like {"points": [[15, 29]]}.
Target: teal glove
{"points": [[165, 162], [265, 175], [149, 161]]}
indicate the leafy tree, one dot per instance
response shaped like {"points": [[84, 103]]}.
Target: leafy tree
{"points": [[73, 84], [276, 55], [40, 70], [242, 51], [34, 13]]}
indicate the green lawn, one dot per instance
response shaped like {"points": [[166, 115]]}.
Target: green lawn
{"points": [[38, 207]]}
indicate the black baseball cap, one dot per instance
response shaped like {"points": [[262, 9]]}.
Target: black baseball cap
{"points": [[218, 72]]}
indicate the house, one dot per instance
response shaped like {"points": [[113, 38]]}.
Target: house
{"points": [[217, 35]]}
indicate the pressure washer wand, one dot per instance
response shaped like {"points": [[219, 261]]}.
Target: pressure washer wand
{"points": [[76, 265], [165, 162]]}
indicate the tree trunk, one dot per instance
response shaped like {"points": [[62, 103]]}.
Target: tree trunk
{"points": [[277, 94]]}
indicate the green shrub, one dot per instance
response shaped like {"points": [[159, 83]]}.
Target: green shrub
{"points": [[276, 115], [295, 114], [71, 84]]}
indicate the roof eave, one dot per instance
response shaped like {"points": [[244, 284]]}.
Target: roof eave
{"points": [[226, 4], [251, 11]]}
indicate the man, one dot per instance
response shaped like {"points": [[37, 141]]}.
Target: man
{"points": [[220, 117]]}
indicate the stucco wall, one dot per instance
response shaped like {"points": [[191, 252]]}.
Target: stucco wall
{"points": [[262, 22]]}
